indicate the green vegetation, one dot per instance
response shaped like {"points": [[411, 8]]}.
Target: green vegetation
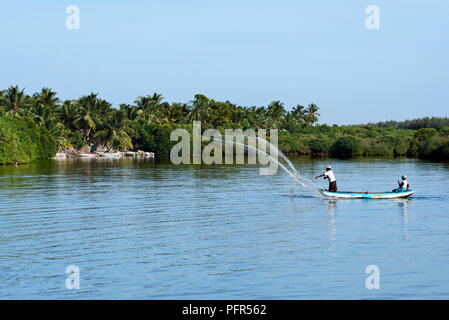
{"points": [[91, 122], [22, 140]]}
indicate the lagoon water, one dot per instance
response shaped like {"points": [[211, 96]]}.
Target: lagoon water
{"points": [[140, 230]]}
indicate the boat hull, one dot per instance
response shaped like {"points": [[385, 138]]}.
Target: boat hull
{"points": [[367, 195], [109, 155], [85, 155]]}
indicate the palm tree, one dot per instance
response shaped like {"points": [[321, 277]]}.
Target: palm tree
{"points": [[261, 118], [114, 134], [85, 118], [67, 113], [165, 114], [157, 99], [47, 97], [42, 114], [299, 115], [312, 113], [14, 101], [221, 115], [130, 110], [199, 107], [59, 132], [276, 113], [147, 106], [102, 112], [180, 112], [144, 107]]}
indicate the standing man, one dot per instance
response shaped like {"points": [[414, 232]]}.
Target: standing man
{"points": [[329, 174]]}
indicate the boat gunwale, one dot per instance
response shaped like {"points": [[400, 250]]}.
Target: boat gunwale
{"points": [[358, 192]]}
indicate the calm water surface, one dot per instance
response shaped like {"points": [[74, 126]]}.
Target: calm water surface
{"points": [[139, 230]]}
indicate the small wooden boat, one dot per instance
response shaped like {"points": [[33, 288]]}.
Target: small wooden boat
{"points": [[367, 195], [85, 155], [110, 155]]}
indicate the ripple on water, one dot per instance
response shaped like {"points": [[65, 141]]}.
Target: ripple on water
{"points": [[143, 230]]}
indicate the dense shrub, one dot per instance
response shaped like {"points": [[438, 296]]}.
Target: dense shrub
{"points": [[441, 152], [21, 141], [153, 138], [293, 143], [372, 147], [346, 146], [319, 146]]}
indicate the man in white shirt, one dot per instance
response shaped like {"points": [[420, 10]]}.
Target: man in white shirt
{"points": [[329, 174], [403, 185]]}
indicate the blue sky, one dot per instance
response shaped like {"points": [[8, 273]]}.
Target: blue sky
{"points": [[248, 52]]}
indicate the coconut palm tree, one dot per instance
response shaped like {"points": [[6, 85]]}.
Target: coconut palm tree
{"points": [[47, 97], [200, 105], [67, 113], [14, 101], [114, 134], [276, 113], [42, 114], [130, 110], [261, 118], [146, 108], [102, 112], [85, 118], [312, 113], [180, 112]]}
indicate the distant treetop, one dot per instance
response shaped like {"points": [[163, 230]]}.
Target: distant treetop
{"points": [[415, 124]]}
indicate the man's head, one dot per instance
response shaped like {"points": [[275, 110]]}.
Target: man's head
{"points": [[404, 177], [328, 168]]}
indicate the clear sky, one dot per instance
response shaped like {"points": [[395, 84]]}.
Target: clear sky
{"points": [[248, 52]]}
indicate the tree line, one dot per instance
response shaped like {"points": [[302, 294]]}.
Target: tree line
{"points": [[415, 124], [146, 124]]}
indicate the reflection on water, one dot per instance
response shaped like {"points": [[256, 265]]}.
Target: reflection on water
{"points": [[139, 229], [403, 205], [332, 204]]}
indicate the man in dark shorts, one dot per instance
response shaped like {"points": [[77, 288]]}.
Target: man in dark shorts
{"points": [[329, 174]]}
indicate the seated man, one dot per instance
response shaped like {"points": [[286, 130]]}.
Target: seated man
{"points": [[403, 185]]}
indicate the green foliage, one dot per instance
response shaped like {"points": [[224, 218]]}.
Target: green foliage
{"points": [[319, 146], [442, 151], [154, 138], [76, 140], [346, 146], [21, 141], [293, 144], [113, 134], [372, 147], [147, 123], [415, 124]]}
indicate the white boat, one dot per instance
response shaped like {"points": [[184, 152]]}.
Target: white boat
{"points": [[367, 195], [110, 155], [85, 155]]}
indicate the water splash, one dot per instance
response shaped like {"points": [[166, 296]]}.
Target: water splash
{"points": [[288, 166]]}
